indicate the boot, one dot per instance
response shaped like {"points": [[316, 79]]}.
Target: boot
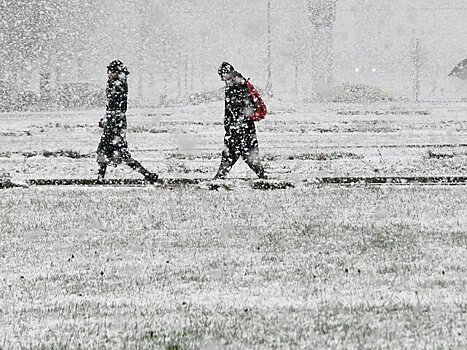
{"points": [[101, 172], [152, 178]]}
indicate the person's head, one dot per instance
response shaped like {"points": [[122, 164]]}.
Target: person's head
{"points": [[226, 71], [116, 69]]}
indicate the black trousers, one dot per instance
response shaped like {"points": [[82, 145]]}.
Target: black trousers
{"points": [[245, 146], [113, 149], [131, 162]]}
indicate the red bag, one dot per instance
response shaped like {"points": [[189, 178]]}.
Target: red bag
{"points": [[259, 107]]}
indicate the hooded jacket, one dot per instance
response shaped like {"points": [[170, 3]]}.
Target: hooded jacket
{"points": [[117, 95], [238, 107]]}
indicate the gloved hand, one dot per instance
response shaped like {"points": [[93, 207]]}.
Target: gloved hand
{"points": [[103, 122]]}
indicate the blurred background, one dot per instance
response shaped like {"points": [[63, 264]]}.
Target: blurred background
{"points": [[53, 53]]}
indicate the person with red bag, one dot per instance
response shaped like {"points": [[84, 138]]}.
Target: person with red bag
{"points": [[243, 106]]}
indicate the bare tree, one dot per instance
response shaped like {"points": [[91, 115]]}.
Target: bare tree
{"points": [[322, 15], [269, 91], [28, 33], [417, 61], [299, 46]]}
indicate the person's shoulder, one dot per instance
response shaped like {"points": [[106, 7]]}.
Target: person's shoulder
{"points": [[239, 79]]}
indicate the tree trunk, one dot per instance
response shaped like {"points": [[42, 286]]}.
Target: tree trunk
{"points": [[269, 92], [296, 80], [417, 64]]}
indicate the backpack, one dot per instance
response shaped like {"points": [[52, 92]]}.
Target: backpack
{"points": [[259, 109]]}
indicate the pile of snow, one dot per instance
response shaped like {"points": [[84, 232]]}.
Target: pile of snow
{"points": [[358, 93]]}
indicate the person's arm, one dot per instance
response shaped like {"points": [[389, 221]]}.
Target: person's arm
{"points": [[123, 97], [104, 121]]}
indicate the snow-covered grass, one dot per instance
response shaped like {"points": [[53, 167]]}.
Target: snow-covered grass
{"points": [[296, 141], [348, 268], [328, 267]]}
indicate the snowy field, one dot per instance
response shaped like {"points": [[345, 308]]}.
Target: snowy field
{"points": [[362, 267], [296, 142]]}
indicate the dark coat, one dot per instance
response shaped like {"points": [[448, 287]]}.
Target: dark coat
{"points": [[113, 145], [117, 95], [240, 131]]}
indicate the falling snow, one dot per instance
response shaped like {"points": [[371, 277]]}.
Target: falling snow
{"points": [[357, 237]]}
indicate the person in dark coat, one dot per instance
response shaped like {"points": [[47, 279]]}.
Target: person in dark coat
{"points": [[113, 146], [240, 133]]}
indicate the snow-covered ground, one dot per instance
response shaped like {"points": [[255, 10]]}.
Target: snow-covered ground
{"points": [[296, 141], [189, 268], [321, 268]]}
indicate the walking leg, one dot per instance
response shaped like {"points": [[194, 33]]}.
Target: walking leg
{"points": [[251, 158], [102, 170], [135, 165], [229, 158]]}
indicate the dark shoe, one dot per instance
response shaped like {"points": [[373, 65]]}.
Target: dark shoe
{"points": [[152, 178], [100, 179]]}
